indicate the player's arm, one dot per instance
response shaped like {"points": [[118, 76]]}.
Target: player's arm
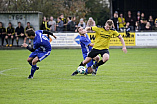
{"points": [[28, 47], [91, 44], [88, 28], [49, 33], [123, 43]]}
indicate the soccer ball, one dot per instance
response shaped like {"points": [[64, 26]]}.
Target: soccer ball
{"points": [[81, 69]]}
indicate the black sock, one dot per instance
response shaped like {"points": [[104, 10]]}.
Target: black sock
{"points": [[81, 64], [6, 41], [99, 63], [12, 41], [2, 41], [17, 41]]}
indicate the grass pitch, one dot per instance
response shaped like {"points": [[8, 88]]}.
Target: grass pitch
{"points": [[125, 79]]}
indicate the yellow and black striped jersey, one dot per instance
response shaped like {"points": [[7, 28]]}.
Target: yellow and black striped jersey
{"points": [[102, 37]]}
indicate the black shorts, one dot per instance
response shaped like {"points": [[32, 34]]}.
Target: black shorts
{"points": [[94, 52], [9, 36]]}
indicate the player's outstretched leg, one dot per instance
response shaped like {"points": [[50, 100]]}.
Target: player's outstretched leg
{"points": [[96, 61], [101, 62]]}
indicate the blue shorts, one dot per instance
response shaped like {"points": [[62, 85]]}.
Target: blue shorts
{"points": [[90, 63], [41, 55]]}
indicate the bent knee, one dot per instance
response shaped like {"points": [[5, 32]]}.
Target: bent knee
{"points": [[29, 59], [97, 58], [105, 58]]}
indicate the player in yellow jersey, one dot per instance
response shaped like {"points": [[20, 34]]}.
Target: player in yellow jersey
{"points": [[101, 45]]}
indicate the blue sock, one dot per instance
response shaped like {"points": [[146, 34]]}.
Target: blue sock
{"points": [[86, 71], [33, 69], [97, 66], [30, 63]]}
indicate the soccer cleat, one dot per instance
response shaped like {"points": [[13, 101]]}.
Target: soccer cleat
{"points": [[85, 74], [7, 45], [10, 45], [30, 77], [94, 69], [37, 68], [74, 73]]}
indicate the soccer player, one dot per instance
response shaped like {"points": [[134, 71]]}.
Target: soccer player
{"points": [[19, 32], [40, 50], [101, 45], [28, 27], [86, 47], [10, 34], [2, 32]]}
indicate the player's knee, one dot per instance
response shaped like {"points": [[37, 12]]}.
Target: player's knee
{"points": [[90, 70], [105, 59], [34, 62], [97, 58], [29, 60]]}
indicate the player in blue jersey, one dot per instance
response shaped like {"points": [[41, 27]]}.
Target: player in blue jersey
{"points": [[41, 48], [86, 47]]}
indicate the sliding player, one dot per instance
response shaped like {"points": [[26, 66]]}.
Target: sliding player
{"points": [[40, 50], [101, 45], [86, 47]]}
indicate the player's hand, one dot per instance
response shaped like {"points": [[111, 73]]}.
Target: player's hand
{"points": [[22, 34], [124, 49], [24, 45]]}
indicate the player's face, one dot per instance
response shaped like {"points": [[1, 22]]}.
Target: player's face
{"points": [[82, 31], [107, 27], [28, 24], [9, 25]]}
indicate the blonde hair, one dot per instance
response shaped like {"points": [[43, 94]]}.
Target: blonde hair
{"points": [[109, 22]]}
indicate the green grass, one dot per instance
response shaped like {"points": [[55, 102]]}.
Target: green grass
{"points": [[125, 79]]}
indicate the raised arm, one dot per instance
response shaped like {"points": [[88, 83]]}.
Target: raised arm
{"points": [[123, 43], [49, 33], [88, 28]]}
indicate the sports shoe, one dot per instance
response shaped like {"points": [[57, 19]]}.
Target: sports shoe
{"points": [[37, 68], [7, 45], [30, 77], [10, 45], [85, 74], [94, 69], [74, 73]]}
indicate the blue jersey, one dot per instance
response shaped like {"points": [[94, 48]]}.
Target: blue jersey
{"points": [[41, 42], [85, 41]]}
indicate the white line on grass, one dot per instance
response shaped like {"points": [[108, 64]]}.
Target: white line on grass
{"points": [[1, 72]]}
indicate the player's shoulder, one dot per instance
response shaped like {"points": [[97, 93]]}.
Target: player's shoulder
{"points": [[3, 27], [96, 28], [113, 29], [39, 31]]}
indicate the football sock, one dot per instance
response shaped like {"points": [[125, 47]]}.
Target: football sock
{"points": [[97, 66], [81, 64], [2, 41], [99, 63], [30, 63], [33, 69], [17, 41], [12, 41], [86, 71], [6, 41]]}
